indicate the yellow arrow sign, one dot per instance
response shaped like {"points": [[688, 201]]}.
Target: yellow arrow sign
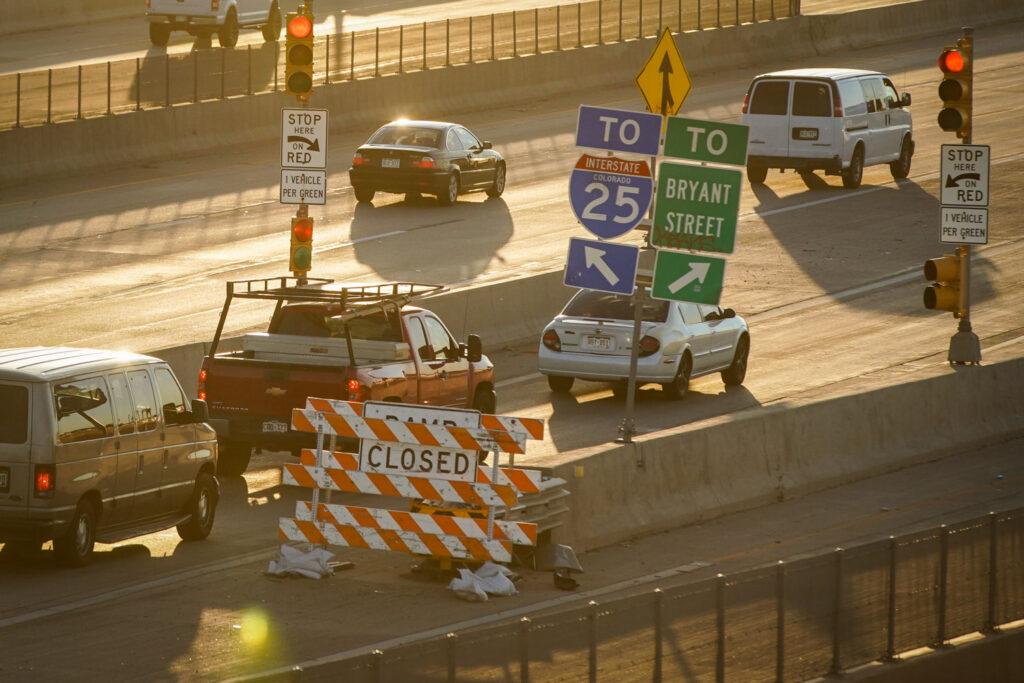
{"points": [[663, 80]]}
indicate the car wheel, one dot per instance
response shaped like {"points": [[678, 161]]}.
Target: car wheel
{"points": [[734, 375], [757, 174], [560, 385], [233, 458], [498, 186], [677, 388], [272, 29], [74, 548], [227, 35], [448, 198], [159, 34], [900, 168], [364, 194], [485, 400], [202, 507], [853, 175]]}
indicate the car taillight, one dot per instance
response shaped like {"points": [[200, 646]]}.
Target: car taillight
{"points": [[425, 162], [648, 345], [201, 389], [45, 481], [746, 104], [359, 160], [552, 341]]}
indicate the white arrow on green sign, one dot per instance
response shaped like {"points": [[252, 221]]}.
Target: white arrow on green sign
{"points": [[688, 277], [696, 208], [720, 143]]}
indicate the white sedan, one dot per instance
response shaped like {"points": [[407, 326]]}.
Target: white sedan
{"points": [[591, 339]]}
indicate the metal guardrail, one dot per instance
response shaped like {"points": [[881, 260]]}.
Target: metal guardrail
{"points": [[794, 620], [164, 80]]}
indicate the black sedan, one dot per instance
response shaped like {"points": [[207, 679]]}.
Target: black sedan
{"points": [[426, 157]]}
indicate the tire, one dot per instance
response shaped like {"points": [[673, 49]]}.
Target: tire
{"points": [[272, 29], [364, 194], [560, 385], [159, 34], [734, 375], [855, 173], [757, 174], [677, 388], [202, 507], [74, 548], [451, 196], [900, 168], [485, 400], [227, 35], [498, 186], [233, 458]]}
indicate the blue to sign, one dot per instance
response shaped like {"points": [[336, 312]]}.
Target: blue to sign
{"points": [[618, 130], [604, 266], [610, 195]]}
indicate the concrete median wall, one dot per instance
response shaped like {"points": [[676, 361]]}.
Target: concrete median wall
{"points": [[186, 130], [758, 456], [39, 15]]}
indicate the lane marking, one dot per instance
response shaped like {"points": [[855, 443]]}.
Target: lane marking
{"points": [[479, 621]]}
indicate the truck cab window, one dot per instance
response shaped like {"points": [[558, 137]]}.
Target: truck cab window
{"points": [[439, 339]]}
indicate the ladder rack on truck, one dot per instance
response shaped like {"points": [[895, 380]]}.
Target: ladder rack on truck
{"points": [[354, 300]]}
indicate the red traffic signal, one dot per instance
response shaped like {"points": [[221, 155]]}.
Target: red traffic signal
{"points": [[302, 229], [952, 61], [300, 26]]}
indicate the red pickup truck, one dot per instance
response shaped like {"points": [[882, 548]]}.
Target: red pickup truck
{"points": [[355, 342]]}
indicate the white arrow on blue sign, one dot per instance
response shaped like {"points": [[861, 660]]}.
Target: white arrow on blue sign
{"points": [[618, 130], [604, 266], [610, 195]]}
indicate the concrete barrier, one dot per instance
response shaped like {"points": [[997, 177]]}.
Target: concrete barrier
{"points": [[38, 15], [185, 130], [747, 459]]}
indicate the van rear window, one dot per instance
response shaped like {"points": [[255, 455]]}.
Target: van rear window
{"points": [[13, 414], [812, 99], [770, 97]]}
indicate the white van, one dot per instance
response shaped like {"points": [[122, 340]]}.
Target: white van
{"points": [[834, 120], [203, 18], [99, 445]]}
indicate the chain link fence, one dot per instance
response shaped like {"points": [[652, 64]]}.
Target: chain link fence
{"points": [[791, 621], [164, 80]]}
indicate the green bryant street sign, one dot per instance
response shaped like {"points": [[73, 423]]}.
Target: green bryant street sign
{"points": [[688, 277], [696, 208], [720, 143]]}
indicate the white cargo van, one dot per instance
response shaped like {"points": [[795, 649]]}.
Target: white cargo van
{"points": [[99, 445], [203, 18], [833, 120]]}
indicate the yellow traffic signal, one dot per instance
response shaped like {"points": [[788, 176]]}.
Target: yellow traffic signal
{"points": [[944, 292], [298, 72], [955, 89], [300, 256]]}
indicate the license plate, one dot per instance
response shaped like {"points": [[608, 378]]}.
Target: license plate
{"points": [[5, 479], [593, 343], [390, 163], [806, 134], [275, 426]]}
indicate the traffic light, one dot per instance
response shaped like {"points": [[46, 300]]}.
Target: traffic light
{"points": [[298, 73], [300, 256], [955, 89], [944, 292]]}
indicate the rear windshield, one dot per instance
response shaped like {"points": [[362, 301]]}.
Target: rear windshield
{"points": [[812, 99], [603, 306], [407, 135], [319, 321], [770, 97], [13, 414]]}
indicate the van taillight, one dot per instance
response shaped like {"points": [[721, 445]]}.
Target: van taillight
{"points": [[837, 103], [746, 104], [201, 389], [45, 481]]}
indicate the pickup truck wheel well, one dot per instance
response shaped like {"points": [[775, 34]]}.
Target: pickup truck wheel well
{"points": [[479, 396]]}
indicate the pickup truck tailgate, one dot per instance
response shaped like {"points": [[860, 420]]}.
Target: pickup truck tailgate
{"points": [[244, 387]]}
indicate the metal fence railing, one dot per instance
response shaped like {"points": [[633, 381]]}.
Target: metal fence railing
{"points": [[791, 621], [163, 80]]}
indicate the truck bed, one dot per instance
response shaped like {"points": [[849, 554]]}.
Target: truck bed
{"points": [[327, 351]]}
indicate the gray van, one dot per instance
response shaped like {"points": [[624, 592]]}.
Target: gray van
{"points": [[99, 446]]}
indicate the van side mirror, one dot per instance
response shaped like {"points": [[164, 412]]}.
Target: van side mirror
{"points": [[905, 99], [474, 348], [200, 411]]}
